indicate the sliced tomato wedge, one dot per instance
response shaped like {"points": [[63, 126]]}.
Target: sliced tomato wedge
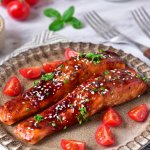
{"points": [[112, 118], [30, 72], [104, 136], [70, 53], [139, 113], [72, 145], [12, 87], [50, 66]]}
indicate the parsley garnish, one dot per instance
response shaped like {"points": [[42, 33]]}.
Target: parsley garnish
{"points": [[36, 82], [53, 124], [65, 127], [87, 100], [106, 72], [95, 90], [102, 88], [60, 119], [101, 51], [27, 109], [38, 118], [94, 57], [143, 78], [80, 55], [65, 81], [48, 76], [61, 66], [83, 115]]}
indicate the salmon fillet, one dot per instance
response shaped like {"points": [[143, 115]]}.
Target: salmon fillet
{"points": [[55, 86], [113, 88]]}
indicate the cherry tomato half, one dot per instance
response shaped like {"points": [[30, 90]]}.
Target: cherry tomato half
{"points": [[12, 87], [50, 66], [70, 53], [72, 145], [112, 118], [139, 113], [30, 72], [104, 136]]}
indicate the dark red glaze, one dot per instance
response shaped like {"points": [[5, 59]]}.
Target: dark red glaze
{"points": [[115, 87], [66, 77]]}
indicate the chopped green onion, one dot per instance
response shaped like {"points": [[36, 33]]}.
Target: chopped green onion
{"points": [[101, 51], [106, 72], [27, 109], [48, 76], [38, 118], [102, 88]]}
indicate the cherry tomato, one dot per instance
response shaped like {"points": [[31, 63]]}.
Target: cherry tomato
{"points": [[18, 10], [104, 136], [49, 67], [30, 72], [70, 53], [32, 2], [139, 113], [112, 118], [72, 145], [5, 2], [12, 87]]}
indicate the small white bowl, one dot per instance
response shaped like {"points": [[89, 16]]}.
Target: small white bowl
{"points": [[2, 33]]}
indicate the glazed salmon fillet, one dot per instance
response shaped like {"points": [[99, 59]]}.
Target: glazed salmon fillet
{"points": [[112, 88], [54, 86]]}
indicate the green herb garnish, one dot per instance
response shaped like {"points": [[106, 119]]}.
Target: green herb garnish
{"points": [[82, 115], [65, 127], [106, 72], [60, 119], [101, 51], [36, 82], [95, 90], [65, 81], [95, 58], [145, 79], [60, 20], [27, 109], [38, 118], [80, 55], [87, 100], [61, 66], [53, 124], [47, 77], [102, 88]]}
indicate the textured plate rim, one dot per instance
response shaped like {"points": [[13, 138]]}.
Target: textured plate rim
{"points": [[11, 143]]}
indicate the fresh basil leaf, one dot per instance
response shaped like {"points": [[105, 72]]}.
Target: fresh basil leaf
{"points": [[75, 23], [56, 25], [67, 15], [50, 12]]}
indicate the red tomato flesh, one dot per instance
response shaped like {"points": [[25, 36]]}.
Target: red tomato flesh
{"points": [[70, 53], [72, 145], [139, 113], [50, 66], [30, 72], [112, 118], [104, 136], [12, 87], [18, 10]]}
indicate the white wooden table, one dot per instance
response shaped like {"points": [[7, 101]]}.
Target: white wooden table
{"points": [[118, 14]]}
